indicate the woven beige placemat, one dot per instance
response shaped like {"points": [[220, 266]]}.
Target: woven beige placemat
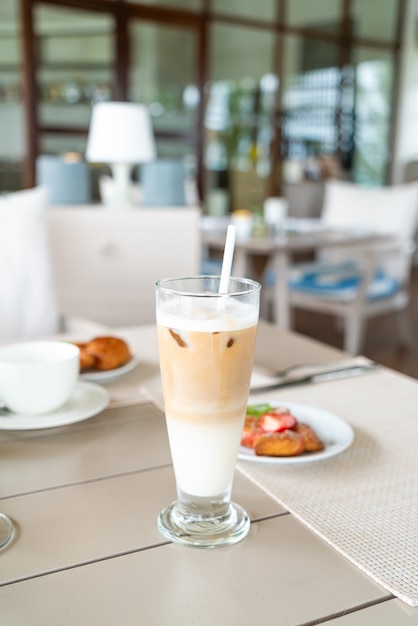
{"points": [[363, 502]]}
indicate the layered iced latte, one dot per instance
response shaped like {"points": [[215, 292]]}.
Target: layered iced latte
{"points": [[206, 345]]}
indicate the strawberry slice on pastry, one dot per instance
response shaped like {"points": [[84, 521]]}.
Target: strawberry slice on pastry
{"points": [[277, 420]]}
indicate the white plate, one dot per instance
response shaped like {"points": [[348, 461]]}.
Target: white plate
{"points": [[109, 375], [336, 434], [87, 400]]}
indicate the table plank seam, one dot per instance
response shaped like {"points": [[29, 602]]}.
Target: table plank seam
{"points": [[65, 568], [355, 609], [21, 435], [86, 481], [110, 556]]}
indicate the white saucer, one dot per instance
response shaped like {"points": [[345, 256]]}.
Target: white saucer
{"points": [[108, 375], [87, 400]]}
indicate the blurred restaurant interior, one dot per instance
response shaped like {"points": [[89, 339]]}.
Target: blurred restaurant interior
{"points": [[257, 99], [254, 96]]}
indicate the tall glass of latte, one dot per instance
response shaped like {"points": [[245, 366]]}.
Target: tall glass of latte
{"points": [[206, 345]]}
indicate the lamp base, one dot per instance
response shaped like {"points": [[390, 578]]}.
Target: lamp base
{"points": [[119, 192]]}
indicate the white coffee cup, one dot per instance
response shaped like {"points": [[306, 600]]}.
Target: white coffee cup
{"points": [[275, 212], [38, 377]]}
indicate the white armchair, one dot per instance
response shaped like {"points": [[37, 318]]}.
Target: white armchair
{"points": [[358, 286], [28, 299], [354, 285], [106, 262], [83, 270]]}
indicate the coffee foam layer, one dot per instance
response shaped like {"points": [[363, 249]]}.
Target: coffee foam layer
{"points": [[207, 314]]}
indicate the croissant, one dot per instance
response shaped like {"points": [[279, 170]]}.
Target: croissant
{"points": [[87, 361], [104, 353]]}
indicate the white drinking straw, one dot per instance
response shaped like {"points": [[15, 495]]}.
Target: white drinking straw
{"points": [[227, 258]]}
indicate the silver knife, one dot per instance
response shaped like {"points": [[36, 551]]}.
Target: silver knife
{"points": [[334, 374]]}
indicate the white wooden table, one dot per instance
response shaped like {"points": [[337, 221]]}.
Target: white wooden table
{"points": [[276, 252], [85, 500]]}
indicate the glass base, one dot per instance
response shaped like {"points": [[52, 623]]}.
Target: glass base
{"points": [[6, 530], [204, 531]]}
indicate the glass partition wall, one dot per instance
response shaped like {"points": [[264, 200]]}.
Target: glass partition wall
{"points": [[254, 96], [74, 70], [12, 143], [169, 88]]}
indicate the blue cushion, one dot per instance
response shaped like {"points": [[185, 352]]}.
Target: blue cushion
{"points": [[67, 183], [163, 183], [210, 267], [341, 282]]}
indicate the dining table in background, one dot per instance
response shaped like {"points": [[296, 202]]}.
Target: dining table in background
{"points": [[273, 252], [331, 540]]}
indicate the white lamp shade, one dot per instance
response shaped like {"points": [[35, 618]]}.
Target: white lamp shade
{"points": [[120, 132]]}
